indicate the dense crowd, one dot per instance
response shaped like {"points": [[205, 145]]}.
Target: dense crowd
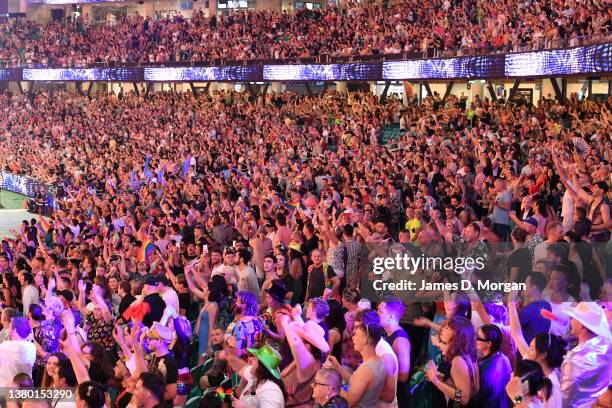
{"points": [[212, 250], [409, 26]]}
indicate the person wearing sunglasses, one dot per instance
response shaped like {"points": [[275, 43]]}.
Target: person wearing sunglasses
{"points": [[326, 389], [495, 368]]}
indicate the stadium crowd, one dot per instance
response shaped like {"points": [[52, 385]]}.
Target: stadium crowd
{"points": [[408, 26], [213, 250]]}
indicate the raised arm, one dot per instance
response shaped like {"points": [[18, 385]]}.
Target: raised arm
{"points": [[300, 353], [192, 287], [515, 328]]}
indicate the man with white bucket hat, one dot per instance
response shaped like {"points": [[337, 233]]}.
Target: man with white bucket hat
{"points": [[587, 368]]}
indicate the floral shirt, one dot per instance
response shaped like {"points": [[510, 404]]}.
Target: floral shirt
{"points": [[100, 332], [246, 333]]}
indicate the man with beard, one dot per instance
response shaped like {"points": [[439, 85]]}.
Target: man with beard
{"points": [[246, 328]]}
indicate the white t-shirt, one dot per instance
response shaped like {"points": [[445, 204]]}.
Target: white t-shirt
{"points": [[267, 394], [171, 299], [16, 356], [247, 280], [29, 297], [556, 397]]}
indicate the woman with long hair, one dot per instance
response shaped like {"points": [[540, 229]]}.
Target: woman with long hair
{"points": [[547, 349], [296, 269], [458, 375], [207, 319], [98, 362], [529, 387], [282, 273], [261, 378], [10, 291], [98, 313], [455, 304], [50, 378], [336, 325]]}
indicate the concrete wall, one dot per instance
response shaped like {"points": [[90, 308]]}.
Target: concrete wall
{"points": [[268, 4]]}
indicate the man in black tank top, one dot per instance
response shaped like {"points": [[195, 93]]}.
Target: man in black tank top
{"points": [[391, 311]]}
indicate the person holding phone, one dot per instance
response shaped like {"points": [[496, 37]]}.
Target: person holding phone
{"points": [[527, 385]]}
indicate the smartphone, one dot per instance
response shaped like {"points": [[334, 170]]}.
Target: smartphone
{"points": [[525, 385], [205, 248]]}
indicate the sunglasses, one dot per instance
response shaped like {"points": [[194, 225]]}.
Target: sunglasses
{"points": [[442, 341], [481, 339]]}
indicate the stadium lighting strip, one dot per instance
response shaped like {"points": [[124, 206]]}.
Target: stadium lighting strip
{"points": [[593, 59]]}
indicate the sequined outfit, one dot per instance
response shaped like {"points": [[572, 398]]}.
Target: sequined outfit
{"points": [[47, 335], [586, 372]]}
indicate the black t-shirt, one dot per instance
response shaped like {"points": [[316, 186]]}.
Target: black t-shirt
{"points": [[184, 300], [157, 307], [288, 282], [309, 245], [316, 281], [126, 301], [521, 258], [166, 367]]}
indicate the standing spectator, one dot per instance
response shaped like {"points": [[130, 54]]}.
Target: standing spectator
{"points": [[5, 320], [162, 362], [367, 382], [167, 293], [458, 379], [531, 320], [586, 369], [494, 367], [246, 327], [247, 278], [391, 311], [207, 318], [18, 354], [527, 385], [262, 384], [149, 307], [320, 277], [352, 252], [29, 292], [501, 210], [149, 391]]}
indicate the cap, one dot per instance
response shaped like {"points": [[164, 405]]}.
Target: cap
{"points": [[151, 280]]}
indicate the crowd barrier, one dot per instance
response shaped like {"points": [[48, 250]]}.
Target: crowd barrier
{"points": [[592, 60]]}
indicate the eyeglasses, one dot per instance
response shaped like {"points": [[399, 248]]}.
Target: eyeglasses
{"points": [[321, 384], [481, 339]]}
